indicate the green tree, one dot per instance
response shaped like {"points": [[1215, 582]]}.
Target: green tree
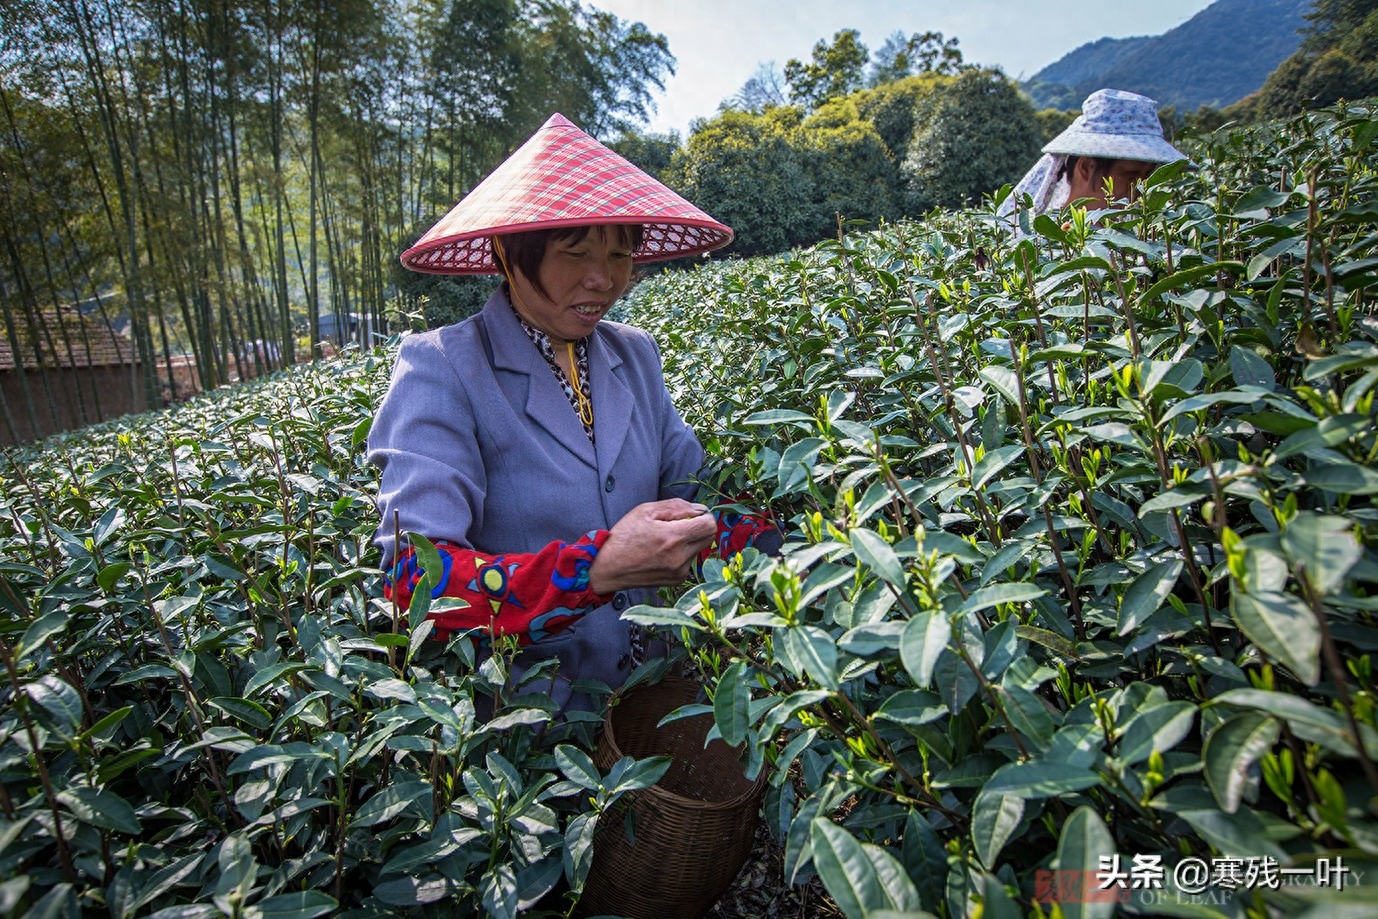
{"points": [[921, 52], [835, 70], [1052, 122], [229, 173], [650, 152], [852, 173], [972, 136], [890, 107], [763, 89], [1337, 60], [1334, 21], [745, 170], [596, 69]]}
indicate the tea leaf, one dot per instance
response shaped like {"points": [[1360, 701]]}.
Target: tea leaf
{"points": [[101, 808], [998, 594], [1156, 729], [304, 904], [1085, 840], [1248, 369], [814, 652], [1231, 751], [861, 878], [1283, 627], [1146, 594], [731, 703], [924, 639], [389, 802], [59, 701], [994, 819], [1324, 547], [578, 767], [1040, 779], [41, 631]]}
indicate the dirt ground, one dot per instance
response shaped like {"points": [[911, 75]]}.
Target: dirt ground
{"points": [[760, 891]]}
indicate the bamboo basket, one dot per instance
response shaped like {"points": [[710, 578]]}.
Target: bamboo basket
{"points": [[693, 830]]}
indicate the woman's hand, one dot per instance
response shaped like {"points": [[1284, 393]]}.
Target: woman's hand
{"points": [[654, 545]]}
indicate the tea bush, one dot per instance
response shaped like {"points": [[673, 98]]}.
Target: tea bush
{"points": [[1080, 565], [209, 709], [1081, 573]]}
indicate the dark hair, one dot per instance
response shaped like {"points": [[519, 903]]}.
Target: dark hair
{"points": [[524, 252], [1069, 166]]}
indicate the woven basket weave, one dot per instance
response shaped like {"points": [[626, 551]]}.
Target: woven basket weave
{"points": [[693, 829]]}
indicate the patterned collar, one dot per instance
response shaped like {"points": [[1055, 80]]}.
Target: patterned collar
{"points": [[581, 365]]}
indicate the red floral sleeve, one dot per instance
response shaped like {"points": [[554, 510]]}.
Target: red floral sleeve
{"points": [[529, 594], [533, 595], [739, 531]]}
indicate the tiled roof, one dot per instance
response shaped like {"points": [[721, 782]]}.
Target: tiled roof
{"points": [[93, 343]]}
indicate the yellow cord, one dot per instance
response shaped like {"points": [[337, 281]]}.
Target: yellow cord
{"points": [[585, 406]]}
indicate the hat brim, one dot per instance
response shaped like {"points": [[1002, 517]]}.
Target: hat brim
{"points": [[1145, 147], [562, 177], [472, 252]]}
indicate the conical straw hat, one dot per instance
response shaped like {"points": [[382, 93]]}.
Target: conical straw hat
{"points": [[563, 177]]}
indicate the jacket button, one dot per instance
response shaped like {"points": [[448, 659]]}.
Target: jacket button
{"points": [[609, 484], [619, 601]]}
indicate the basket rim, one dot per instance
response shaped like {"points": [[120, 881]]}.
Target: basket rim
{"points": [[656, 791]]}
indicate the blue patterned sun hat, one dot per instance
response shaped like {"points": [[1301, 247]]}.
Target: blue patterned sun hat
{"points": [[1116, 125]]}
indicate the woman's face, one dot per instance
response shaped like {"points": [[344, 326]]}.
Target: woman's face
{"points": [[1088, 181], [582, 277]]}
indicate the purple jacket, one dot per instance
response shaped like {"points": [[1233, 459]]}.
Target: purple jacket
{"points": [[478, 445]]}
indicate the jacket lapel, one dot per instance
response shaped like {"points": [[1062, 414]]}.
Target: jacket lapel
{"points": [[612, 403], [546, 404]]}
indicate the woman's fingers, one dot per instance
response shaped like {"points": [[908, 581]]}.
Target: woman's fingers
{"points": [[654, 545]]}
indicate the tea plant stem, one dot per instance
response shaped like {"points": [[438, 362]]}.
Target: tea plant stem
{"points": [[1311, 221], [1183, 543], [1038, 327], [40, 506], [1126, 307], [22, 530], [285, 493], [996, 702], [20, 703], [396, 609], [1085, 325], [1074, 457], [308, 590], [1337, 673], [1219, 517], [1329, 283], [899, 494], [1067, 583], [340, 836], [924, 795], [14, 598], [1194, 572], [968, 457], [177, 487], [1299, 756], [193, 707]]}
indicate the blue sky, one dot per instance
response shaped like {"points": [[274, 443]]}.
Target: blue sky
{"points": [[718, 44]]}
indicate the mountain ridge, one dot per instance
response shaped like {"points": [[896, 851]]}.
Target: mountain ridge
{"points": [[1219, 56]]}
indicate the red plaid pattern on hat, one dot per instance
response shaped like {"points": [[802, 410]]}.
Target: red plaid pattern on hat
{"points": [[563, 177]]}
